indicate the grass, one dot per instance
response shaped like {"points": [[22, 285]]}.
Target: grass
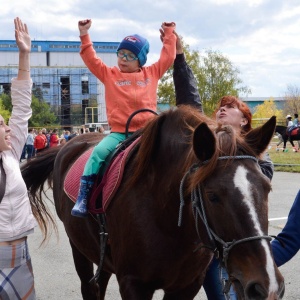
{"points": [[284, 161]]}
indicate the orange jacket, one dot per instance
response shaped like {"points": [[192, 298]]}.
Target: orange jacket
{"points": [[127, 92]]}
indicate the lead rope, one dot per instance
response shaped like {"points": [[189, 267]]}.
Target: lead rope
{"points": [[103, 243]]}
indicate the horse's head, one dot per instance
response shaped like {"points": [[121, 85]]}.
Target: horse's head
{"points": [[235, 199]]}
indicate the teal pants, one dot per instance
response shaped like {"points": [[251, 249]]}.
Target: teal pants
{"points": [[96, 161]]}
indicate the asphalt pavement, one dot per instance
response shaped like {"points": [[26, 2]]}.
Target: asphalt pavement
{"points": [[56, 278]]}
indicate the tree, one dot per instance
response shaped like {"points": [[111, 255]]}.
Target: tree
{"points": [[4, 112], [267, 110], [41, 112], [215, 74], [292, 97], [218, 77], [166, 91]]}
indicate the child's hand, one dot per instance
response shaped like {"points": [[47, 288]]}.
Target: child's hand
{"points": [[84, 26]]}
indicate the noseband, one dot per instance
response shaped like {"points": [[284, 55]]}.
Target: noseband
{"points": [[199, 211]]}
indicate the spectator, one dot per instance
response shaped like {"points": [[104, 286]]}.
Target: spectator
{"points": [[54, 139], [67, 135], [40, 142], [29, 144], [16, 217], [73, 134]]}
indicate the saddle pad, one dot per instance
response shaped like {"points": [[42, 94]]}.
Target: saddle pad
{"points": [[294, 131], [72, 180], [113, 175]]}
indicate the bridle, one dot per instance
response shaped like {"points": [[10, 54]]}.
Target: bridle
{"points": [[199, 212]]}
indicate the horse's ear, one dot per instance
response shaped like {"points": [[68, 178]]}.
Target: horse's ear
{"points": [[259, 138], [204, 142]]}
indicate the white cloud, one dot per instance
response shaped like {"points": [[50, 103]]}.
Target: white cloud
{"points": [[261, 37]]}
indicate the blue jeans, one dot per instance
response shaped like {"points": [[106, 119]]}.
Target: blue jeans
{"points": [[29, 149], [213, 282]]}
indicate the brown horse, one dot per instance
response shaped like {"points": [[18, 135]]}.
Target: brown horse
{"points": [[191, 189]]}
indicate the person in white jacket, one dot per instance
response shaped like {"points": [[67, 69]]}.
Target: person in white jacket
{"points": [[16, 217]]}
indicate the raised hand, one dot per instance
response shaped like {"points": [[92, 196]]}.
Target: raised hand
{"points": [[179, 47], [84, 26], [22, 36]]}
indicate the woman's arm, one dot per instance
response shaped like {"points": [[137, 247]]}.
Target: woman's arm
{"points": [[21, 91], [24, 44], [185, 84]]}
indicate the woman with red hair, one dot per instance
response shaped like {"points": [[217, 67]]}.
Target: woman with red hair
{"points": [[232, 111]]}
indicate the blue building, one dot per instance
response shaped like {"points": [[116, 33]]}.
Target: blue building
{"points": [[62, 79], [59, 74]]}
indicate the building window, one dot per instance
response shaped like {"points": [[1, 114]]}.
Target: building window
{"points": [[84, 84], [46, 85]]}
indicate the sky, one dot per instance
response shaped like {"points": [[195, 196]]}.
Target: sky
{"points": [[260, 37]]}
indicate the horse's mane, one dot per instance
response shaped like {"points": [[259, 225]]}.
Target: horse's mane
{"points": [[176, 127]]}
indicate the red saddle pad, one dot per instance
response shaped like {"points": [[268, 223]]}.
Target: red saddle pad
{"points": [[72, 179], [109, 184]]}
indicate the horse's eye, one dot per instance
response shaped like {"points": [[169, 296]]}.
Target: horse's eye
{"points": [[212, 197]]}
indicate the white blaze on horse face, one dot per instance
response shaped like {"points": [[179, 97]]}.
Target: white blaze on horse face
{"points": [[241, 182]]}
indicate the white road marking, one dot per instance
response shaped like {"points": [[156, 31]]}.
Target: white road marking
{"points": [[277, 219]]}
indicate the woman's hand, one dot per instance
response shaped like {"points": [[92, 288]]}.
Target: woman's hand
{"points": [[22, 36], [179, 47]]}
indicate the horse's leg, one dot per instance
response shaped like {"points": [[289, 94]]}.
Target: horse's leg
{"points": [[133, 289], [284, 145], [188, 293], [293, 145], [85, 271], [104, 279]]}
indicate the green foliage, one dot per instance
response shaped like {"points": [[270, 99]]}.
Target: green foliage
{"points": [[3, 111], [267, 110], [38, 93], [6, 102], [218, 77], [166, 91], [215, 74], [41, 114]]}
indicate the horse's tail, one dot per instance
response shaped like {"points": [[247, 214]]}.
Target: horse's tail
{"points": [[36, 172]]}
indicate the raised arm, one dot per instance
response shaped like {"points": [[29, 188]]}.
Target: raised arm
{"points": [[24, 44], [21, 90], [185, 84]]}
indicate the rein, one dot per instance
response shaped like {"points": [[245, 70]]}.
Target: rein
{"points": [[199, 212]]}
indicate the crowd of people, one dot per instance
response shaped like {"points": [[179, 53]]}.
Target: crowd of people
{"points": [[40, 139]]}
